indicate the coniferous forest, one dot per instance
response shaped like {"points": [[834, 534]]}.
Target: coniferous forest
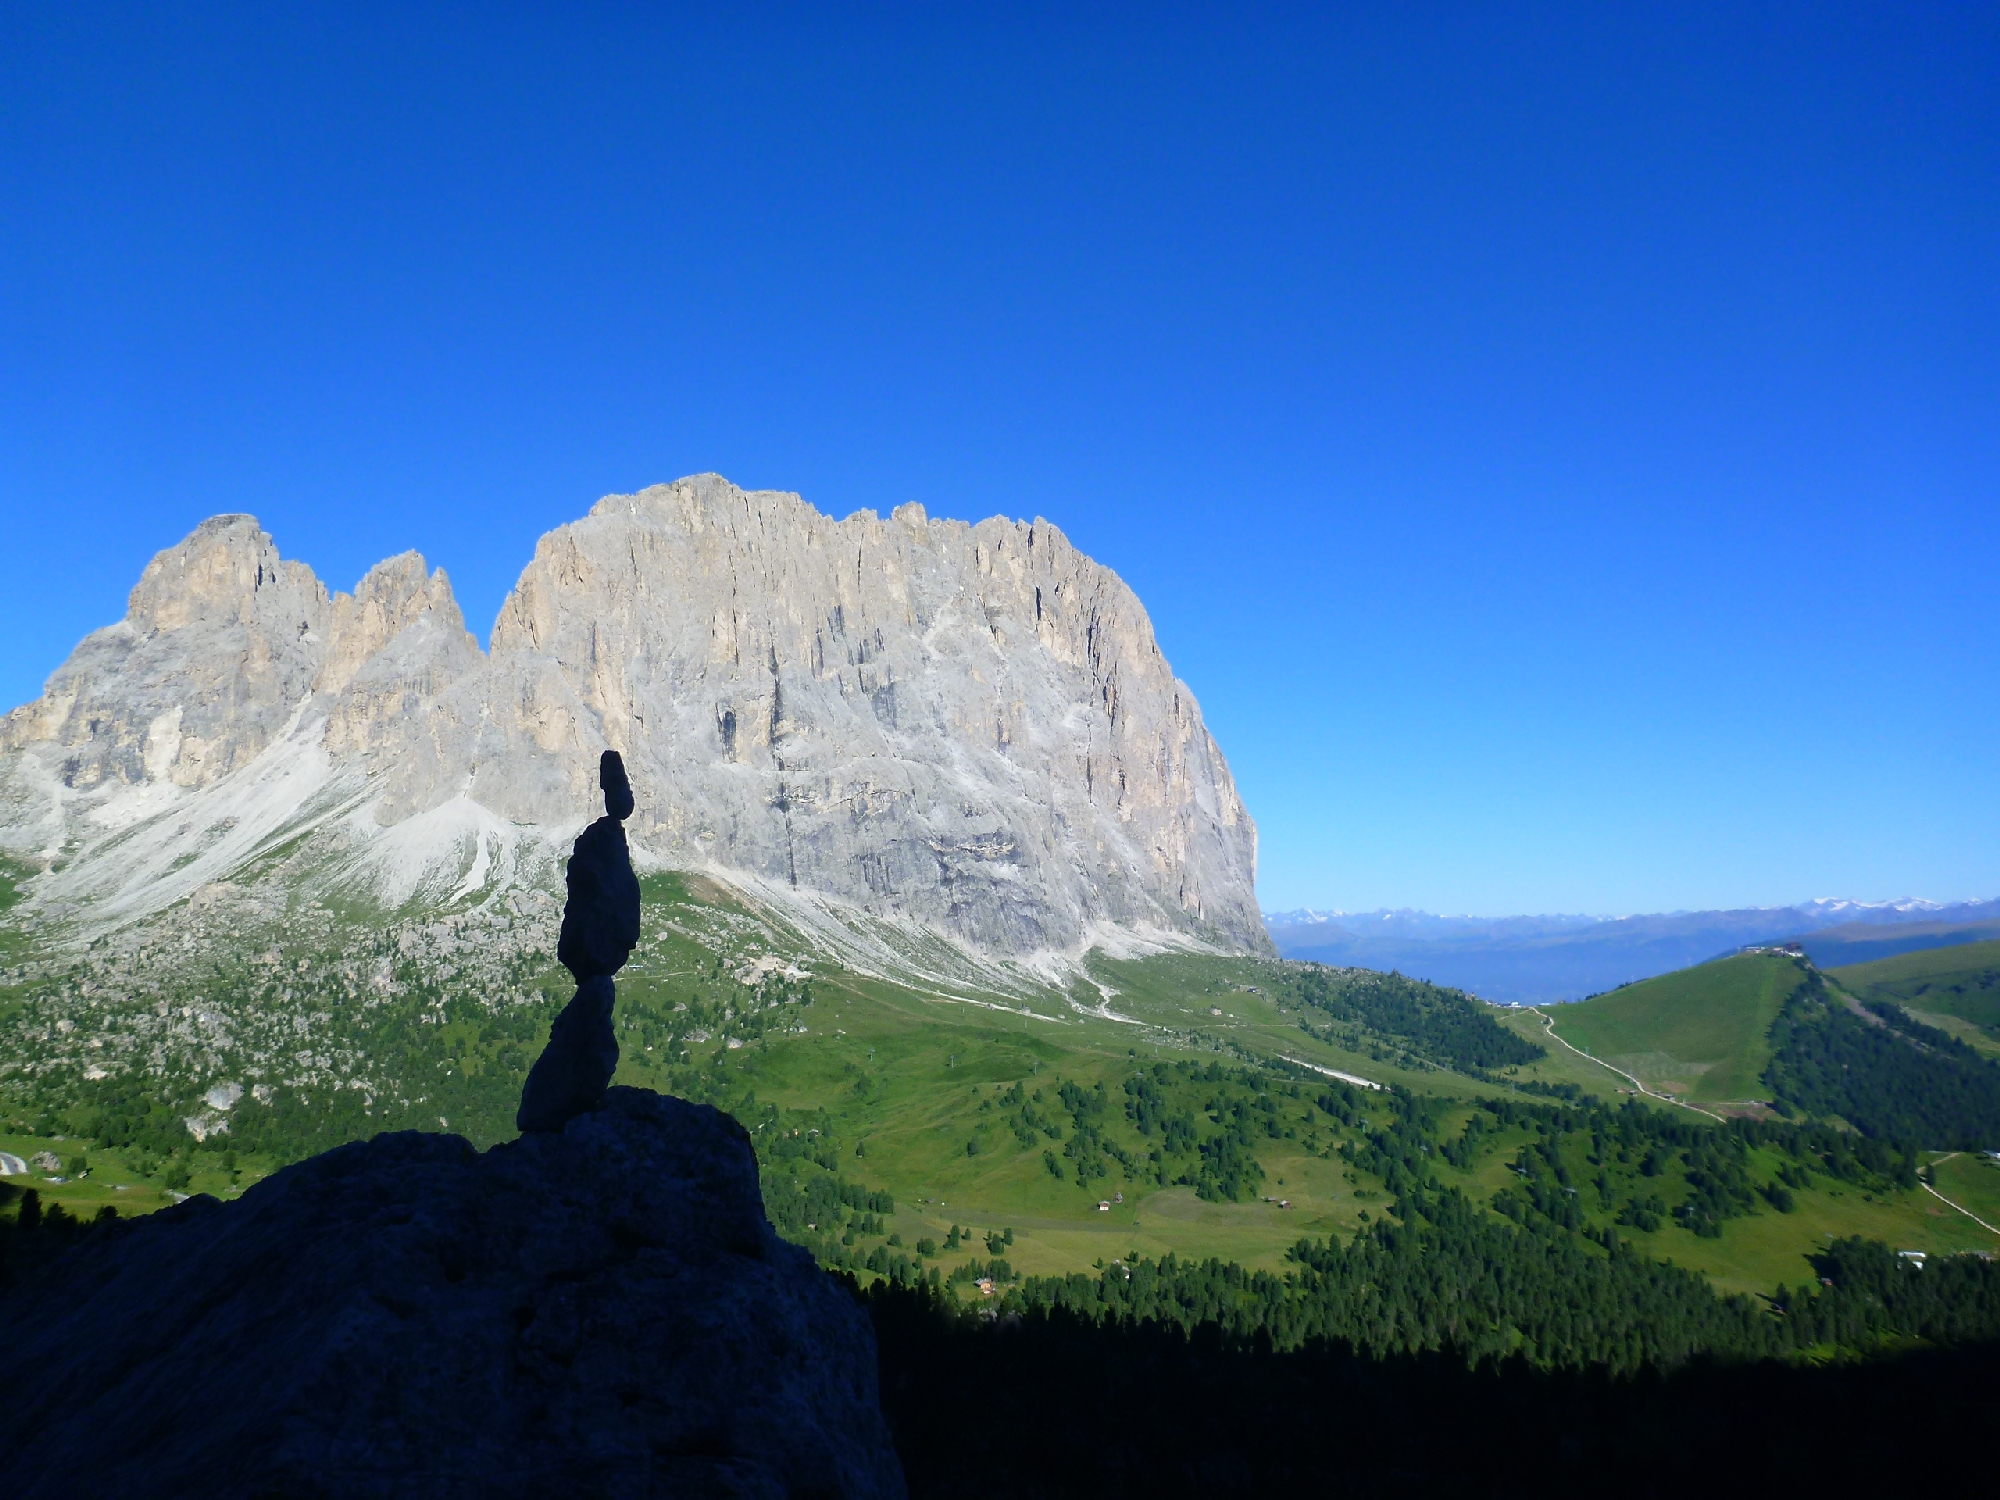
{"points": [[1891, 1077], [1058, 1402], [1446, 1347]]}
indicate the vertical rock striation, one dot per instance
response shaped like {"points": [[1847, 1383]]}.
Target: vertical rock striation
{"points": [[968, 725]]}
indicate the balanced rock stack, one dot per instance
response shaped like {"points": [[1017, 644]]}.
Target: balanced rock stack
{"points": [[600, 1308], [600, 926]]}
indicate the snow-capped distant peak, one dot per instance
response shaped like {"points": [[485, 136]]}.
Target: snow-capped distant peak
{"points": [[1902, 903], [1823, 911]]}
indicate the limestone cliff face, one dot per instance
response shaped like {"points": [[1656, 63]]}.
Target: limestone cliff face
{"points": [[405, 680], [970, 725], [219, 644]]}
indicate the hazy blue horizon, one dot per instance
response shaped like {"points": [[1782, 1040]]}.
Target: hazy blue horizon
{"points": [[1560, 448], [1923, 904]]}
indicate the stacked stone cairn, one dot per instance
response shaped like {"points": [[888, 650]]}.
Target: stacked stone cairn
{"points": [[600, 927]]}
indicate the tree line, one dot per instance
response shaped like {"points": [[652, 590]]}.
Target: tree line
{"points": [[1889, 1076]]}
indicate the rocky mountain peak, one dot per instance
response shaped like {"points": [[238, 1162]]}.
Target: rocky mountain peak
{"points": [[390, 598], [966, 726], [227, 572], [220, 643]]}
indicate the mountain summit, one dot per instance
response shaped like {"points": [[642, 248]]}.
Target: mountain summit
{"points": [[967, 726]]}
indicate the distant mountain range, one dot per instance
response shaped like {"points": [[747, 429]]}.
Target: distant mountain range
{"points": [[1537, 959]]}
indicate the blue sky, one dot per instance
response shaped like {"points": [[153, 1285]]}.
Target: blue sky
{"points": [[1560, 445]]}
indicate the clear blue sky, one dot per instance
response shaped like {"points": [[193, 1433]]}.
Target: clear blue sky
{"points": [[1560, 445]]}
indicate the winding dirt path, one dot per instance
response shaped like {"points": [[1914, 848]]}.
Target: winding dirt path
{"points": [[1549, 1024], [1948, 1203]]}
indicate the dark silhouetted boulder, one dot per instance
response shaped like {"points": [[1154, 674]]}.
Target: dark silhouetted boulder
{"points": [[598, 1312], [600, 923], [575, 1068], [617, 789]]}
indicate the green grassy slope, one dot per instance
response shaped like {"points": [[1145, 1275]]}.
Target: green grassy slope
{"points": [[911, 1087], [1970, 1181], [1697, 1034], [1764, 1249], [953, 1104], [1752, 1251], [1939, 986]]}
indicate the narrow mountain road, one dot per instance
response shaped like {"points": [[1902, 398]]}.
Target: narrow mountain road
{"points": [[1947, 1202], [1549, 1023], [1354, 1078]]}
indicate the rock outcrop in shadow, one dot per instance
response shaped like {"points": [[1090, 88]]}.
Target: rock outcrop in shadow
{"points": [[598, 1311]]}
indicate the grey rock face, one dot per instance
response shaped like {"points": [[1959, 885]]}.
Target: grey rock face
{"points": [[600, 1312], [220, 642], [969, 725]]}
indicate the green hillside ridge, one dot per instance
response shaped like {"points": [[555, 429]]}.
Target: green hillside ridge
{"points": [[1191, 1093], [1855, 943], [1766, 1027], [1955, 989], [1970, 1180], [1700, 1034], [1883, 1072]]}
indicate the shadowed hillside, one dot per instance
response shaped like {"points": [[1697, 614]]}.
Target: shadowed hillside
{"points": [[1939, 985]]}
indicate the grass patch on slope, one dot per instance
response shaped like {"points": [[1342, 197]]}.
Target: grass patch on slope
{"points": [[1972, 1182], [12, 875], [1765, 1249], [1700, 1034], [1961, 982]]}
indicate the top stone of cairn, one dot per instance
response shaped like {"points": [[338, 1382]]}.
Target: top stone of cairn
{"points": [[617, 789]]}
